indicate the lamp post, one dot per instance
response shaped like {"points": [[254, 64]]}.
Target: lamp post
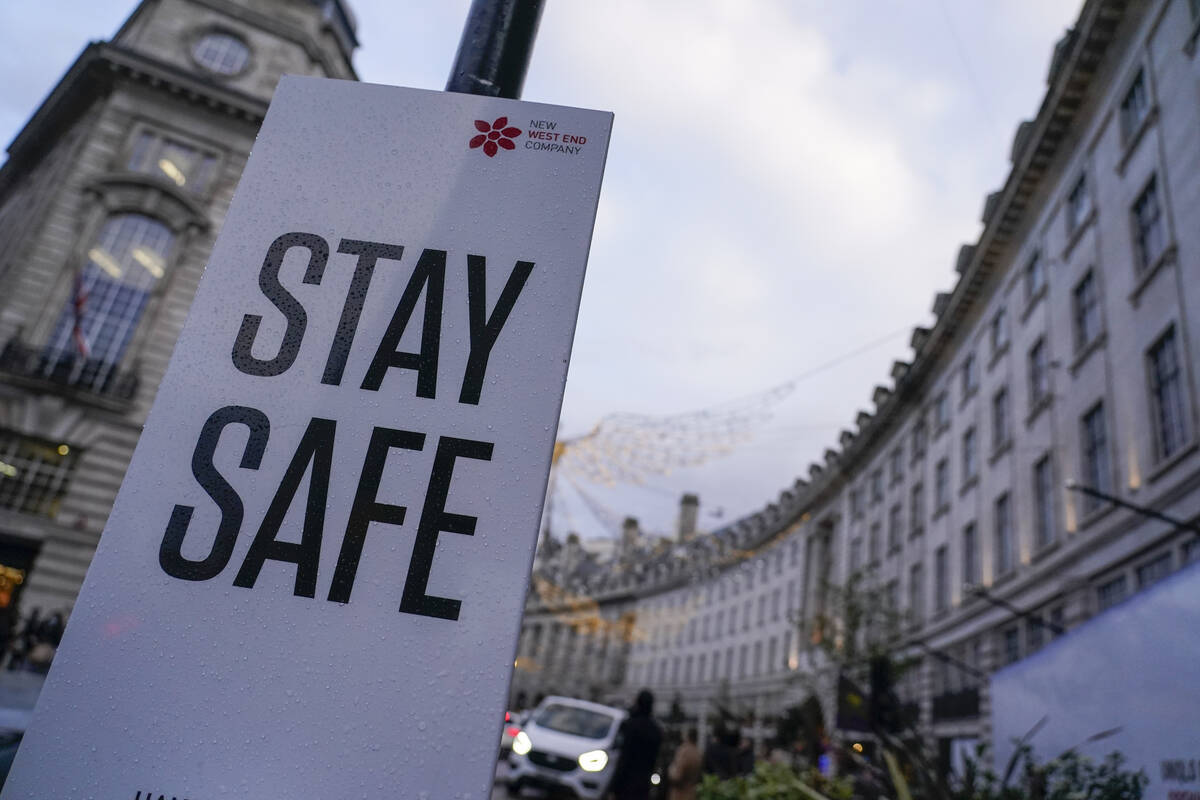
{"points": [[493, 53], [1036, 619], [1145, 511]]}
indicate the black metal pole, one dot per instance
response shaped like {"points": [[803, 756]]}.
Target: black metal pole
{"points": [[1143, 510], [493, 54], [1036, 619]]}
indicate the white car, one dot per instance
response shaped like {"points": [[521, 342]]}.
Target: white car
{"points": [[566, 743]]}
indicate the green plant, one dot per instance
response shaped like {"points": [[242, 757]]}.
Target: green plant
{"points": [[1070, 776]]}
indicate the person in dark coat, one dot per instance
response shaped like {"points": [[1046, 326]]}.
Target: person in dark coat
{"points": [[640, 738], [720, 757]]}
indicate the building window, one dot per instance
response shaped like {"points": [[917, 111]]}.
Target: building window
{"points": [[1035, 277], [1004, 536], [743, 651], [896, 467], [1166, 396], [758, 658], [729, 664], [1087, 311], [970, 376], [916, 593], [856, 505], [221, 53], [941, 577], [941, 484], [1110, 593], [1000, 423], [941, 412], [34, 473], [855, 554], [1079, 204], [747, 612], [1039, 374], [1058, 620], [732, 621], [920, 436], [1135, 107], [762, 609], [972, 572], [877, 486], [1096, 470], [916, 511], [1154, 570], [873, 543], [999, 331], [772, 646], [1191, 551], [185, 166], [891, 594], [99, 319], [1011, 645], [1043, 503], [1148, 228], [894, 528], [793, 553], [970, 455], [1033, 635], [776, 598]]}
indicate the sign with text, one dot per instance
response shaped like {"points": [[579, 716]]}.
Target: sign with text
{"points": [[1121, 682], [312, 580]]}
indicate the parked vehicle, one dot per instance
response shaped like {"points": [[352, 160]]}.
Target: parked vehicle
{"points": [[566, 744]]}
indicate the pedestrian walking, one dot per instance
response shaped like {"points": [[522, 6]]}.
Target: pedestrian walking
{"points": [[641, 738], [684, 772]]}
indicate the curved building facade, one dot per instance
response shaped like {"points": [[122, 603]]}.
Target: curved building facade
{"points": [[989, 493]]}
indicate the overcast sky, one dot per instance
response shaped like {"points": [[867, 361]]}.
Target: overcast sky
{"points": [[787, 182]]}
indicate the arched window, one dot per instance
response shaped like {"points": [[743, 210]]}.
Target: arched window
{"points": [[107, 299], [222, 53]]}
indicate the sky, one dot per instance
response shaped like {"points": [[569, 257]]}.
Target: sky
{"points": [[787, 187]]}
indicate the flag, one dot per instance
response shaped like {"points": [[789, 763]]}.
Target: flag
{"points": [[78, 302]]}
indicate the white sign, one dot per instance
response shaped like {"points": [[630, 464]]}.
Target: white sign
{"points": [[312, 580], [1123, 681]]}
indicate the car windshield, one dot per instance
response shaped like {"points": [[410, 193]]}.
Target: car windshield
{"points": [[575, 721]]}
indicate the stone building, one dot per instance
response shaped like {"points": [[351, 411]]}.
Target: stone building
{"points": [[1065, 356], [110, 200]]}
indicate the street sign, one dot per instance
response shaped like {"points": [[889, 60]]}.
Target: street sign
{"points": [[312, 580]]}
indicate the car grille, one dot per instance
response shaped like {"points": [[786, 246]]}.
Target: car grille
{"points": [[551, 761]]}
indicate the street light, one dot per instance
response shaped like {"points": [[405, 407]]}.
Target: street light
{"points": [[1145, 511], [982, 592]]}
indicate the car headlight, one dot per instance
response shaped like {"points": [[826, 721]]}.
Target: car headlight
{"points": [[593, 761], [521, 744]]}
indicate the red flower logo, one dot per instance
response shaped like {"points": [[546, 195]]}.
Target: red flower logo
{"points": [[492, 137]]}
